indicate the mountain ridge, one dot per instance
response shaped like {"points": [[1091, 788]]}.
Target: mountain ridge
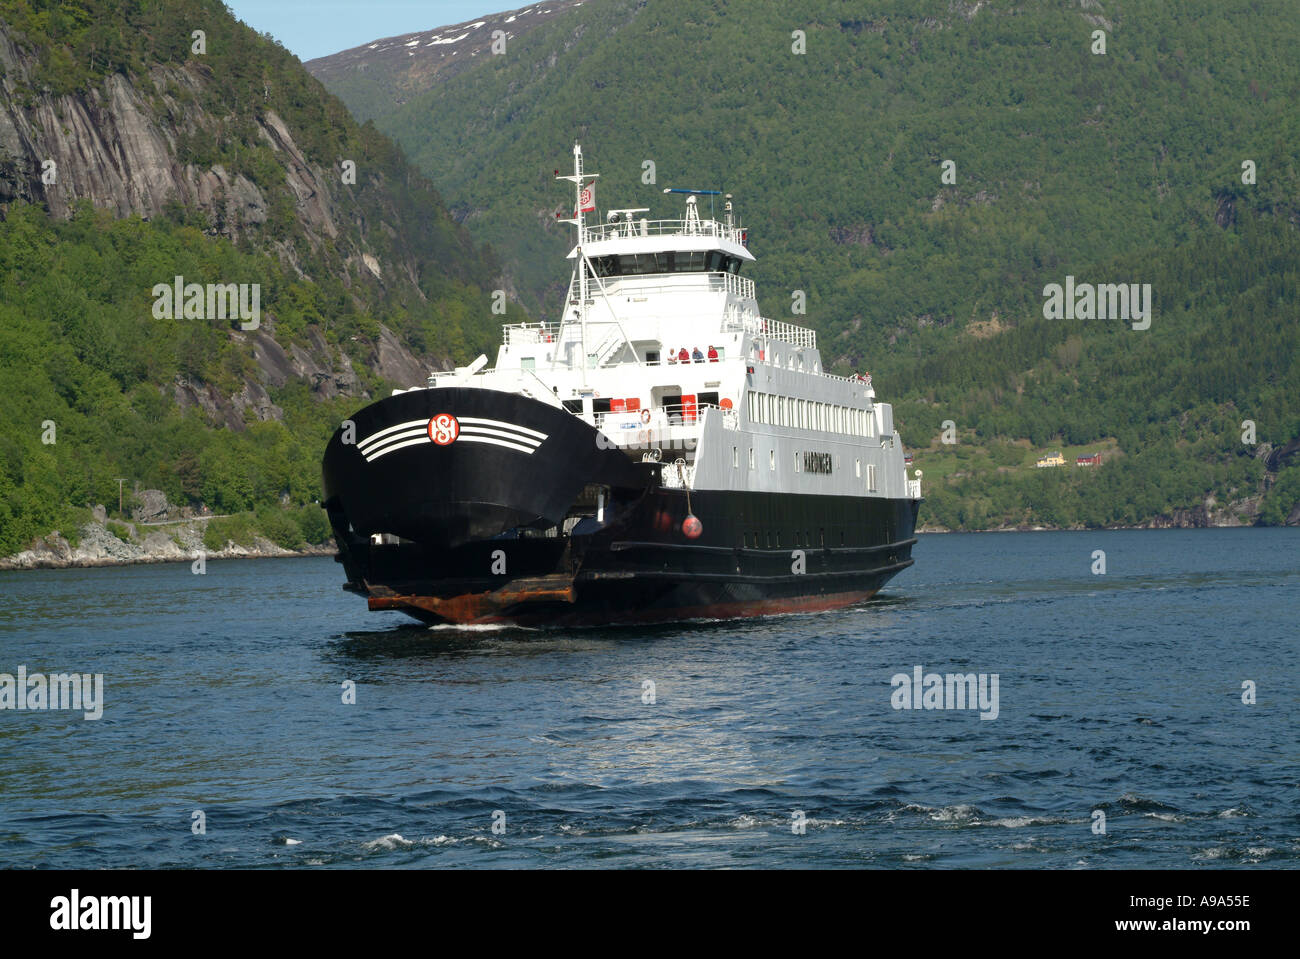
{"points": [[410, 66]]}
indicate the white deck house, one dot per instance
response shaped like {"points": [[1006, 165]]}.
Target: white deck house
{"points": [[755, 412]]}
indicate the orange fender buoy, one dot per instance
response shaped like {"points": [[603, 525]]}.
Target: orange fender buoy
{"points": [[692, 527]]}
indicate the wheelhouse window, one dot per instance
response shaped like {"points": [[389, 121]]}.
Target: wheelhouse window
{"points": [[667, 261]]}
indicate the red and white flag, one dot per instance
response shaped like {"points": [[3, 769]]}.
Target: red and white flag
{"points": [[587, 199]]}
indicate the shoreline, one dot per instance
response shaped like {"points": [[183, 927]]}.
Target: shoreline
{"points": [[13, 564], [1092, 529], [180, 542], [47, 554]]}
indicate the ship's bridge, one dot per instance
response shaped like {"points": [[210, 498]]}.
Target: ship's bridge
{"points": [[645, 290], [630, 247]]}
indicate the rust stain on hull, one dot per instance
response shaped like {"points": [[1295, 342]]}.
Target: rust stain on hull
{"points": [[519, 606], [490, 606]]}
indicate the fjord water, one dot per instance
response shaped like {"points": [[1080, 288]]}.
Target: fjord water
{"points": [[1119, 692]]}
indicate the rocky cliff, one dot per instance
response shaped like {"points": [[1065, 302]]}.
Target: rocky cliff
{"points": [[136, 144], [141, 142]]}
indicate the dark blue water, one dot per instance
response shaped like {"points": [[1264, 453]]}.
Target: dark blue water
{"points": [[1119, 692]]}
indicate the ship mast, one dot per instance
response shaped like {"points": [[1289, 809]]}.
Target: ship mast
{"points": [[579, 221]]}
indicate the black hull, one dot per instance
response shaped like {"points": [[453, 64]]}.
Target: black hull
{"points": [[484, 537]]}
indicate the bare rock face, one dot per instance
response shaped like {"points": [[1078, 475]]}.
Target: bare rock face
{"points": [[233, 200], [858, 235], [111, 146], [393, 361], [326, 369], [315, 206], [1281, 456], [330, 373], [151, 506], [254, 402], [216, 408], [1197, 517]]}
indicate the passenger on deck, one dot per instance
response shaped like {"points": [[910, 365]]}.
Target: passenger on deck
{"points": [[672, 358], [713, 355], [697, 355], [683, 356]]}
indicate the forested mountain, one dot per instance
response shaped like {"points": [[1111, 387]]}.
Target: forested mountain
{"points": [[145, 141], [922, 170]]}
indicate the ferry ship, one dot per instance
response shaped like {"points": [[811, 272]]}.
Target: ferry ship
{"points": [[662, 452]]}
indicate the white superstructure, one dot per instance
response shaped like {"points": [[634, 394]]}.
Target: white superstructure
{"points": [[750, 409]]}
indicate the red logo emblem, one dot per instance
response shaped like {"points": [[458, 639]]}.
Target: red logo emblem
{"points": [[443, 429]]}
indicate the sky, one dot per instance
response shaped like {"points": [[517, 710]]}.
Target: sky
{"points": [[315, 28]]}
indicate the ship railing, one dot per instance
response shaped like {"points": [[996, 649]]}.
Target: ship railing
{"points": [[672, 427], [741, 286], [668, 416], [521, 334], [848, 379], [665, 361], [714, 282], [632, 228], [799, 336]]}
